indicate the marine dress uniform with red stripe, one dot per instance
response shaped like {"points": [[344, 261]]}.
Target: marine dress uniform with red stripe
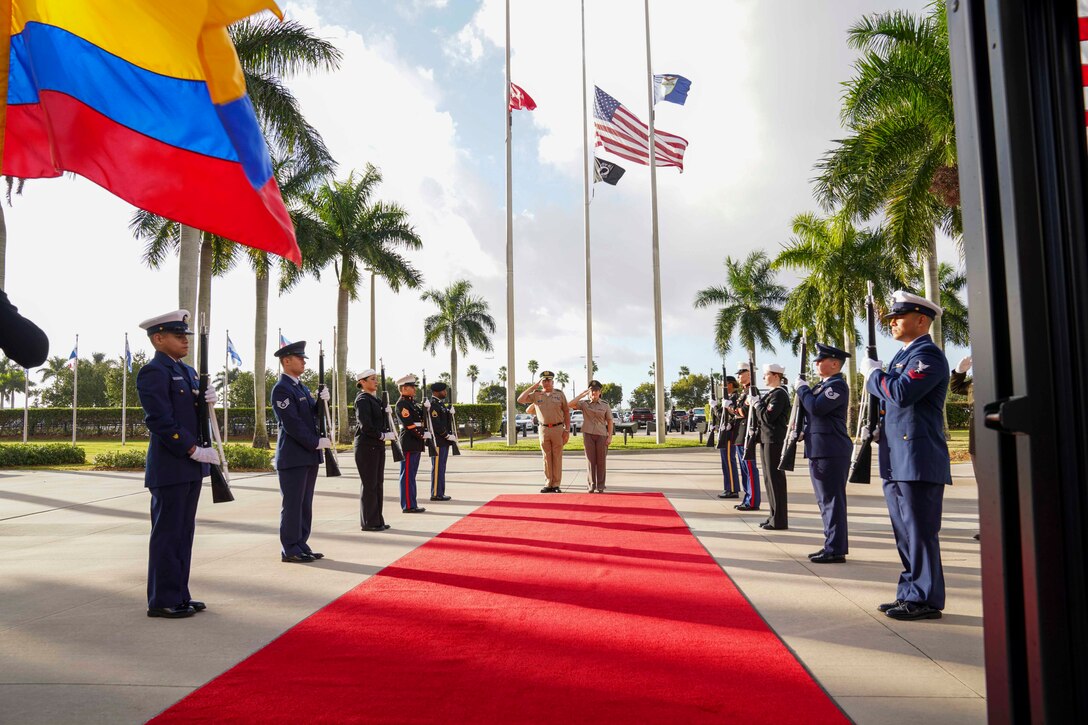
{"points": [[413, 441], [914, 460], [444, 437], [749, 472]]}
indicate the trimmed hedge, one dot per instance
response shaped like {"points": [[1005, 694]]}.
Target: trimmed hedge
{"points": [[16, 455], [486, 416], [130, 460], [239, 458], [92, 423], [959, 415]]}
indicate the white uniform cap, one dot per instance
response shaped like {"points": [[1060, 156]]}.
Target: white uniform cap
{"points": [[743, 365], [774, 368], [408, 379], [369, 372], [904, 302], [176, 321]]}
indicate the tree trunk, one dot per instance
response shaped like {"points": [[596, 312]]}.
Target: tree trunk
{"points": [[342, 362], [373, 325], [3, 247], [204, 294], [260, 349], [933, 284], [453, 373], [188, 276]]}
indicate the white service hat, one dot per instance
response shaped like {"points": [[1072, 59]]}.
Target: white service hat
{"points": [[368, 373], [774, 368], [409, 379]]}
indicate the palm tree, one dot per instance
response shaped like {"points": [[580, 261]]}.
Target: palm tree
{"points": [[344, 226], [750, 302], [685, 371], [533, 367], [473, 374], [502, 375], [901, 157], [462, 319], [651, 371], [954, 324], [562, 378]]}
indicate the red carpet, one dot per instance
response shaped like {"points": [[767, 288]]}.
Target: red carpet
{"points": [[533, 609]]}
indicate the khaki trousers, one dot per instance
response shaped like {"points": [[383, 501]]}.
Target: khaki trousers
{"points": [[596, 452], [551, 446]]}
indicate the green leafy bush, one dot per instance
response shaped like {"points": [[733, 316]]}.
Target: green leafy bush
{"points": [[17, 455], [130, 460], [485, 416], [959, 414], [244, 458], [105, 423]]}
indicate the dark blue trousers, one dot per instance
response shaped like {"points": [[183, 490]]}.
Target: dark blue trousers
{"points": [[915, 510], [170, 554], [438, 471], [408, 469], [297, 509], [829, 482], [749, 478], [730, 474]]}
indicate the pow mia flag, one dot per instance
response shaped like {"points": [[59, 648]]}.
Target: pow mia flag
{"points": [[607, 171]]}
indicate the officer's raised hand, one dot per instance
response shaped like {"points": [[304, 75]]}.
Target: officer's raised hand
{"points": [[964, 365]]}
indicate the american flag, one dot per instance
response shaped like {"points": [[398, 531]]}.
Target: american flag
{"points": [[620, 132]]}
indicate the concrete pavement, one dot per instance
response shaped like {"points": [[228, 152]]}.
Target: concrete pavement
{"points": [[75, 646]]}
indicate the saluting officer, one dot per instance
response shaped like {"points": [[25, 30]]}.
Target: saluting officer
{"points": [[749, 473], [914, 459], [554, 413], [727, 441], [444, 438], [772, 414], [371, 433], [828, 448], [413, 439], [176, 464], [298, 453]]}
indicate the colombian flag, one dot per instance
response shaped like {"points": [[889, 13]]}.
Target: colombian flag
{"points": [[145, 98]]}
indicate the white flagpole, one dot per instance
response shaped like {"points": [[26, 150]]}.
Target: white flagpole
{"points": [[75, 388], [585, 212], [226, 387], [26, 402], [659, 357], [124, 389], [511, 371]]}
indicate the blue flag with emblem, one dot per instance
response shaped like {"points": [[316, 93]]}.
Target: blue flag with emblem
{"points": [[128, 356], [234, 356], [671, 88]]}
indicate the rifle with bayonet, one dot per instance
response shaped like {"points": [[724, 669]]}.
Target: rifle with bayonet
{"points": [[432, 448], [751, 437], [714, 413], [861, 461], [390, 421], [332, 466], [797, 418], [209, 427]]}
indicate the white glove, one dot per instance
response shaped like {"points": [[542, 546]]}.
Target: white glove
{"points": [[752, 399], [389, 410], [210, 396], [323, 443], [324, 394], [800, 383], [426, 435], [965, 365], [389, 436], [427, 404], [453, 411], [205, 455], [451, 437], [868, 366]]}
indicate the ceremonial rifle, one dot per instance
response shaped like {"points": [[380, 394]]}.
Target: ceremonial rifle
{"points": [[332, 466], [390, 423], [750, 437], [712, 423], [453, 429], [208, 426], [869, 413], [793, 433], [432, 447]]}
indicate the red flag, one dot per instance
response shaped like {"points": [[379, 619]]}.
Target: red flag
{"points": [[520, 100]]}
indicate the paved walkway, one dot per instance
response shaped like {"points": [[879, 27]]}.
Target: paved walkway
{"points": [[75, 646]]}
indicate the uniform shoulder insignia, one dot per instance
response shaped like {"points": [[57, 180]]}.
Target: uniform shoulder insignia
{"points": [[404, 413], [282, 404], [831, 394], [176, 436], [918, 371], [434, 413]]}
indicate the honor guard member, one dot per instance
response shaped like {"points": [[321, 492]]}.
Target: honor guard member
{"points": [[413, 440], [176, 463], [444, 438], [772, 416], [828, 448], [554, 413], [749, 474], [727, 441], [914, 459], [298, 453], [371, 433]]}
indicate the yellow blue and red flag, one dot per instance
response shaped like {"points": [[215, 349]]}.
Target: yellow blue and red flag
{"points": [[147, 99]]}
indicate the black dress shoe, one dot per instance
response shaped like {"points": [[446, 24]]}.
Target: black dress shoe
{"points": [[441, 498], [414, 510], [729, 494], [197, 606], [296, 559], [380, 527], [316, 554], [814, 554], [746, 507], [913, 610], [772, 527], [889, 605], [171, 612], [828, 558]]}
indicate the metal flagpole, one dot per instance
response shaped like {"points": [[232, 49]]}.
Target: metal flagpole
{"points": [[75, 387], [659, 362], [335, 392], [585, 212], [124, 389], [511, 428], [226, 387], [26, 402]]}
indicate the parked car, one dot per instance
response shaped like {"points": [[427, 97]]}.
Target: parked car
{"points": [[698, 415], [642, 416], [678, 419], [619, 424], [525, 422], [576, 421]]}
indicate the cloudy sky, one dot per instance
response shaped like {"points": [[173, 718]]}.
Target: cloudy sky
{"points": [[420, 94]]}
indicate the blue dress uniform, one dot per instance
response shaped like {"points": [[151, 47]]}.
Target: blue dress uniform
{"points": [[914, 463], [828, 448], [370, 458], [727, 444], [412, 445], [297, 459], [168, 394], [441, 425]]}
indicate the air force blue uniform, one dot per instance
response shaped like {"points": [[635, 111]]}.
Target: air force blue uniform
{"points": [[914, 463], [828, 449], [168, 393], [297, 462]]}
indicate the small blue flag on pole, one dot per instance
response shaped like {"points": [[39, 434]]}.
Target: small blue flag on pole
{"points": [[284, 340], [234, 356], [671, 88], [72, 359], [128, 356]]}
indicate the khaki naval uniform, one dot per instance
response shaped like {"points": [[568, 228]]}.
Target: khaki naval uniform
{"points": [[596, 419], [553, 412]]}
